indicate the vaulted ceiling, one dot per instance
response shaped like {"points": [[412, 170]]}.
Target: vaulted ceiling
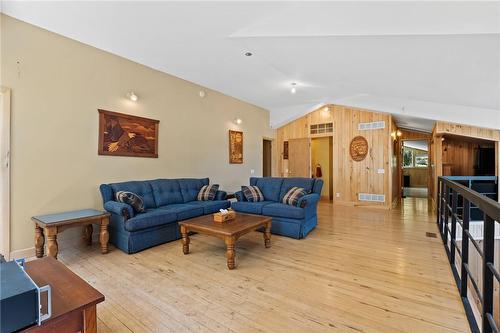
{"points": [[420, 61]]}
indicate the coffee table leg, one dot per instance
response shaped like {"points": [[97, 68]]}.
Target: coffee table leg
{"points": [[267, 235], [104, 235], [185, 240], [87, 234], [230, 254], [39, 241], [52, 247]]}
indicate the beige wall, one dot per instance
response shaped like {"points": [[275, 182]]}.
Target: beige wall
{"points": [[56, 90]]}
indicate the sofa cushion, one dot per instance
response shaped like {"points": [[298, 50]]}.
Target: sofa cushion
{"points": [[282, 210], [190, 188], [208, 192], [252, 193], [269, 186], [131, 199], [306, 183], [211, 206], [166, 191], [151, 218], [142, 188], [183, 211], [293, 195], [250, 207]]}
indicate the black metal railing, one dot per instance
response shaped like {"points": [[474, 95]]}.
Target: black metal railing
{"points": [[457, 204]]}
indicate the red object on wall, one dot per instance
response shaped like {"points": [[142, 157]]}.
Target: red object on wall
{"points": [[319, 173]]}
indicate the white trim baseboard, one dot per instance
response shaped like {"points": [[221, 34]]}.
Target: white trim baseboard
{"points": [[23, 253]]}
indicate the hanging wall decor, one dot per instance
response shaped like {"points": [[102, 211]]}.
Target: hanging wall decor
{"points": [[125, 135], [235, 147], [358, 148]]}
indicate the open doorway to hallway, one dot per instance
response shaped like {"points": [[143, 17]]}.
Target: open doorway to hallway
{"points": [[415, 168], [267, 157], [322, 164]]}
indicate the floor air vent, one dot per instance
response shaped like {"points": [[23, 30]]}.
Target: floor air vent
{"points": [[371, 197], [371, 126]]}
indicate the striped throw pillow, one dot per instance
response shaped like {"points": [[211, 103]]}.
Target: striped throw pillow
{"points": [[208, 192], [132, 199], [252, 193], [293, 195]]}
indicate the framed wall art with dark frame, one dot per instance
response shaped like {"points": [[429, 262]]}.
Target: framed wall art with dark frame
{"points": [[126, 135]]}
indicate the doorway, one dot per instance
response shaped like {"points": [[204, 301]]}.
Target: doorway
{"points": [[267, 157], [321, 164], [5, 172], [415, 168]]}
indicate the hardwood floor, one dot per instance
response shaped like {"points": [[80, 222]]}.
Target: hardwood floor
{"points": [[360, 270]]}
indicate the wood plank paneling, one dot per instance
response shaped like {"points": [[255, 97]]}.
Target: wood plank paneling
{"points": [[466, 130], [349, 177]]}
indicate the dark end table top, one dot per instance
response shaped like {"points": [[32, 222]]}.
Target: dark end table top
{"points": [[241, 224], [69, 217], [69, 291]]}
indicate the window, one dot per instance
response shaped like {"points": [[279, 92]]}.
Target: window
{"points": [[407, 158], [415, 158], [321, 128], [422, 161]]}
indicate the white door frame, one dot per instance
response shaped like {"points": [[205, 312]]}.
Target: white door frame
{"points": [[5, 171]]}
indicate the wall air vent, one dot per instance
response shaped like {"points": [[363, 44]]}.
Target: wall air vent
{"points": [[371, 197], [371, 126]]}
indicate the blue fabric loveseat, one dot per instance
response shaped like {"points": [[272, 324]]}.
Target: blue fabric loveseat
{"points": [[167, 201], [292, 221]]}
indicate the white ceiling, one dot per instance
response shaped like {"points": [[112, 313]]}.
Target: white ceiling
{"points": [[420, 61]]}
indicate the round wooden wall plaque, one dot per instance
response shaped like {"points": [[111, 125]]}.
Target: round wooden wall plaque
{"points": [[358, 148]]}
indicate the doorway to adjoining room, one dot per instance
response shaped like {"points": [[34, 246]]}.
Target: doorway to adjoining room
{"points": [[321, 164], [415, 168]]}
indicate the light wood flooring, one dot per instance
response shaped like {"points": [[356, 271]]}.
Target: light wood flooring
{"points": [[360, 270]]}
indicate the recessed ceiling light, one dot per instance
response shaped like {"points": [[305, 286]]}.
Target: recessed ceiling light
{"points": [[293, 90], [248, 54]]}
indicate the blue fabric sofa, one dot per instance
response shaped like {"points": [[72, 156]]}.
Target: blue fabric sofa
{"points": [[292, 221], [167, 201]]}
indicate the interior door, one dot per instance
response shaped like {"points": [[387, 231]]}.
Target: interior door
{"points": [[4, 171], [299, 158]]}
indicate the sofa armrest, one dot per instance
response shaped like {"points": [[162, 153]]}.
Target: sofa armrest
{"points": [[221, 195], [308, 200], [239, 196], [120, 208]]}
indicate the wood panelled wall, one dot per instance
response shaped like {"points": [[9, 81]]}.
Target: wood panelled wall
{"points": [[350, 177], [453, 150]]}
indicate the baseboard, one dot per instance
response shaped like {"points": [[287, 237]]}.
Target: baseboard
{"points": [[23, 253], [362, 205]]}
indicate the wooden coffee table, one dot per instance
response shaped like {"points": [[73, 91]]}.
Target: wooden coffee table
{"points": [[228, 231]]}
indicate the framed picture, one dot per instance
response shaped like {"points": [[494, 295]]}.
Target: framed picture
{"points": [[235, 147], [125, 135]]}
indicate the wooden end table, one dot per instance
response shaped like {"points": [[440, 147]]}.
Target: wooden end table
{"points": [[50, 225], [73, 300], [228, 231]]}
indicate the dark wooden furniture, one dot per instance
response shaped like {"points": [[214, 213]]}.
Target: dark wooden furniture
{"points": [[229, 231], [73, 300], [50, 225]]}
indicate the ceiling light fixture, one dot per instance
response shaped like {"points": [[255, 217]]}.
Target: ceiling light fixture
{"points": [[132, 96], [248, 54], [294, 89], [238, 121]]}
